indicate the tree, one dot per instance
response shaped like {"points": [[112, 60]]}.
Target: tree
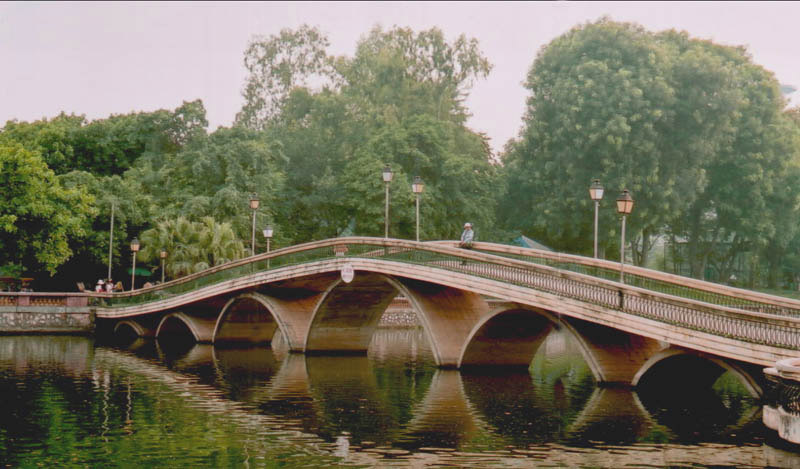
{"points": [[275, 66], [214, 176], [108, 146], [191, 246], [397, 101], [647, 112], [38, 216]]}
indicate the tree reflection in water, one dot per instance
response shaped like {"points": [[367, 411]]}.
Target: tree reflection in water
{"points": [[210, 406]]}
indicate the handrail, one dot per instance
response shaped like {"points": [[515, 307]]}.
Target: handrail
{"points": [[739, 296]]}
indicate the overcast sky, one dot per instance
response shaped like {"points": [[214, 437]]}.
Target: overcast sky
{"points": [[99, 59]]}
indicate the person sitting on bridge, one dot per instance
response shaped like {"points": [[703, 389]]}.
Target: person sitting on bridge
{"points": [[467, 236]]}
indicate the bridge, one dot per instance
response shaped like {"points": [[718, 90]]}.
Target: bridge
{"points": [[489, 306]]}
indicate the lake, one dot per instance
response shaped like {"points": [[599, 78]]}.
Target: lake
{"points": [[74, 402]]}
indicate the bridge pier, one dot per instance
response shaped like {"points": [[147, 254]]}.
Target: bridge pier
{"points": [[449, 316], [614, 356]]}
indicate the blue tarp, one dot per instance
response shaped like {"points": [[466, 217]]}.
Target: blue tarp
{"points": [[526, 242]]}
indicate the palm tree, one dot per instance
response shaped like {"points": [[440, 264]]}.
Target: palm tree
{"points": [[192, 246]]}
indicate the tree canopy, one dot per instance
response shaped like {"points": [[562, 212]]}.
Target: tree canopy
{"points": [[693, 129]]}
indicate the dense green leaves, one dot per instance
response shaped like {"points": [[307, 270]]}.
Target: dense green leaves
{"points": [[191, 246], [690, 127], [38, 216], [397, 101]]}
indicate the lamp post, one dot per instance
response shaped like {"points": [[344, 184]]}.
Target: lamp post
{"points": [[596, 193], [624, 208], [387, 178], [163, 255], [417, 187], [111, 239], [254, 206], [134, 250], [268, 234]]}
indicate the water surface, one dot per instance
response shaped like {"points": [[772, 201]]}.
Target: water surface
{"points": [[69, 402]]}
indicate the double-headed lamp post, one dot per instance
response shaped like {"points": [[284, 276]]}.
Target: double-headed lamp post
{"points": [[624, 208], [163, 256], [268, 234], [387, 178], [596, 193], [254, 206], [417, 187], [134, 250]]}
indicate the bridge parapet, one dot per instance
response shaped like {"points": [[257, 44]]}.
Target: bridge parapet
{"points": [[648, 279]]}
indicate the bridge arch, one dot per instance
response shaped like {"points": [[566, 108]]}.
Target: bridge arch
{"points": [[178, 323], [131, 327], [693, 365], [506, 336], [346, 314], [247, 318], [521, 330]]}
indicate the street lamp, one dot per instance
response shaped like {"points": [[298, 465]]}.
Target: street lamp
{"points": [[624, 208], [417, 187], [163, 255], [134, 250], [254, 206], [111, 240], [268, 234], [596, 193], [387, 178]]}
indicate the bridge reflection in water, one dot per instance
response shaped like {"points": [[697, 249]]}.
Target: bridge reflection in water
{"points": [[393, 403]]}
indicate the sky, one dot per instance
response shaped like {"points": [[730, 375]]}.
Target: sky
{"points": [[98, 59]]}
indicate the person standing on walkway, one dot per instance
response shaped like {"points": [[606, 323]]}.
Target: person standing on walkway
{"points": [[467, 237]]}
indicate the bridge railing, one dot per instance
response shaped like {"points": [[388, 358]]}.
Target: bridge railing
{"points": [[648, 279]]}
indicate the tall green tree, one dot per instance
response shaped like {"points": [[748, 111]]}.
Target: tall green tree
{"points": [[397, 101], [214, 176], [38, 216], [276, 65], [652, 113]]}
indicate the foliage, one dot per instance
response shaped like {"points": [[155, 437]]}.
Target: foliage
{"points": [[38, 216], [191, 246], [107, 146], [688, 126], [214, 176], [398, 101], [275, 66]]}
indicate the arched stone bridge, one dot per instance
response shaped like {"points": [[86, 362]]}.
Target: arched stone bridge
{"points": [[490, 306]]}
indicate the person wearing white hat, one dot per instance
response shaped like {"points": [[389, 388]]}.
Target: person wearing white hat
{"points": [[467, 236], [99, 286]]}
